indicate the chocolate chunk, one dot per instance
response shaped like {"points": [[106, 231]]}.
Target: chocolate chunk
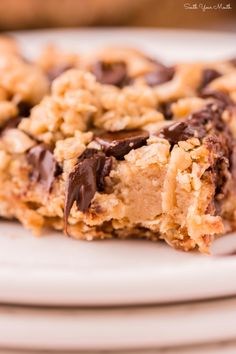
{"points": [[86, 178], [208, 119], [118, 144], [197, 125], [161, 75], [208, 75], [221, 97], [44, 166], [180, 131], [56, 71], [111, 73]]}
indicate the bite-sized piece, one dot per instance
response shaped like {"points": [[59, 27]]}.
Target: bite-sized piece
{"points": [[107, 154]]}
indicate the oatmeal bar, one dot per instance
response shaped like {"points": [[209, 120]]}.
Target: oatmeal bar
{"points": [[120, 146]]}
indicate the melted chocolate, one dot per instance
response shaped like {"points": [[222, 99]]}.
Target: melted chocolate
{"points": [[120, 144], [111, 73], [44, 166], [86, 178]]}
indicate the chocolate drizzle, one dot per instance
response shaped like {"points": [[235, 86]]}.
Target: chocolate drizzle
{"points": [[86, 178], [44, 166], [119, 144], [111, 73]]}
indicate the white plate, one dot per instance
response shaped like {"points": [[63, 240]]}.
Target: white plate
{"points": [[58, 270], [55, 269], [120, 328]]}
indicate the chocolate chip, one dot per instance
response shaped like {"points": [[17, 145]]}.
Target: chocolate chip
{"points": [[208, 75], [86, 178], [111, 73], [161, 75], [44, 166], [56, 71], [118, 144]]}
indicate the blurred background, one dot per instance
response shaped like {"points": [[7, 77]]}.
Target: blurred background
{"points": [[31, 14]]}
